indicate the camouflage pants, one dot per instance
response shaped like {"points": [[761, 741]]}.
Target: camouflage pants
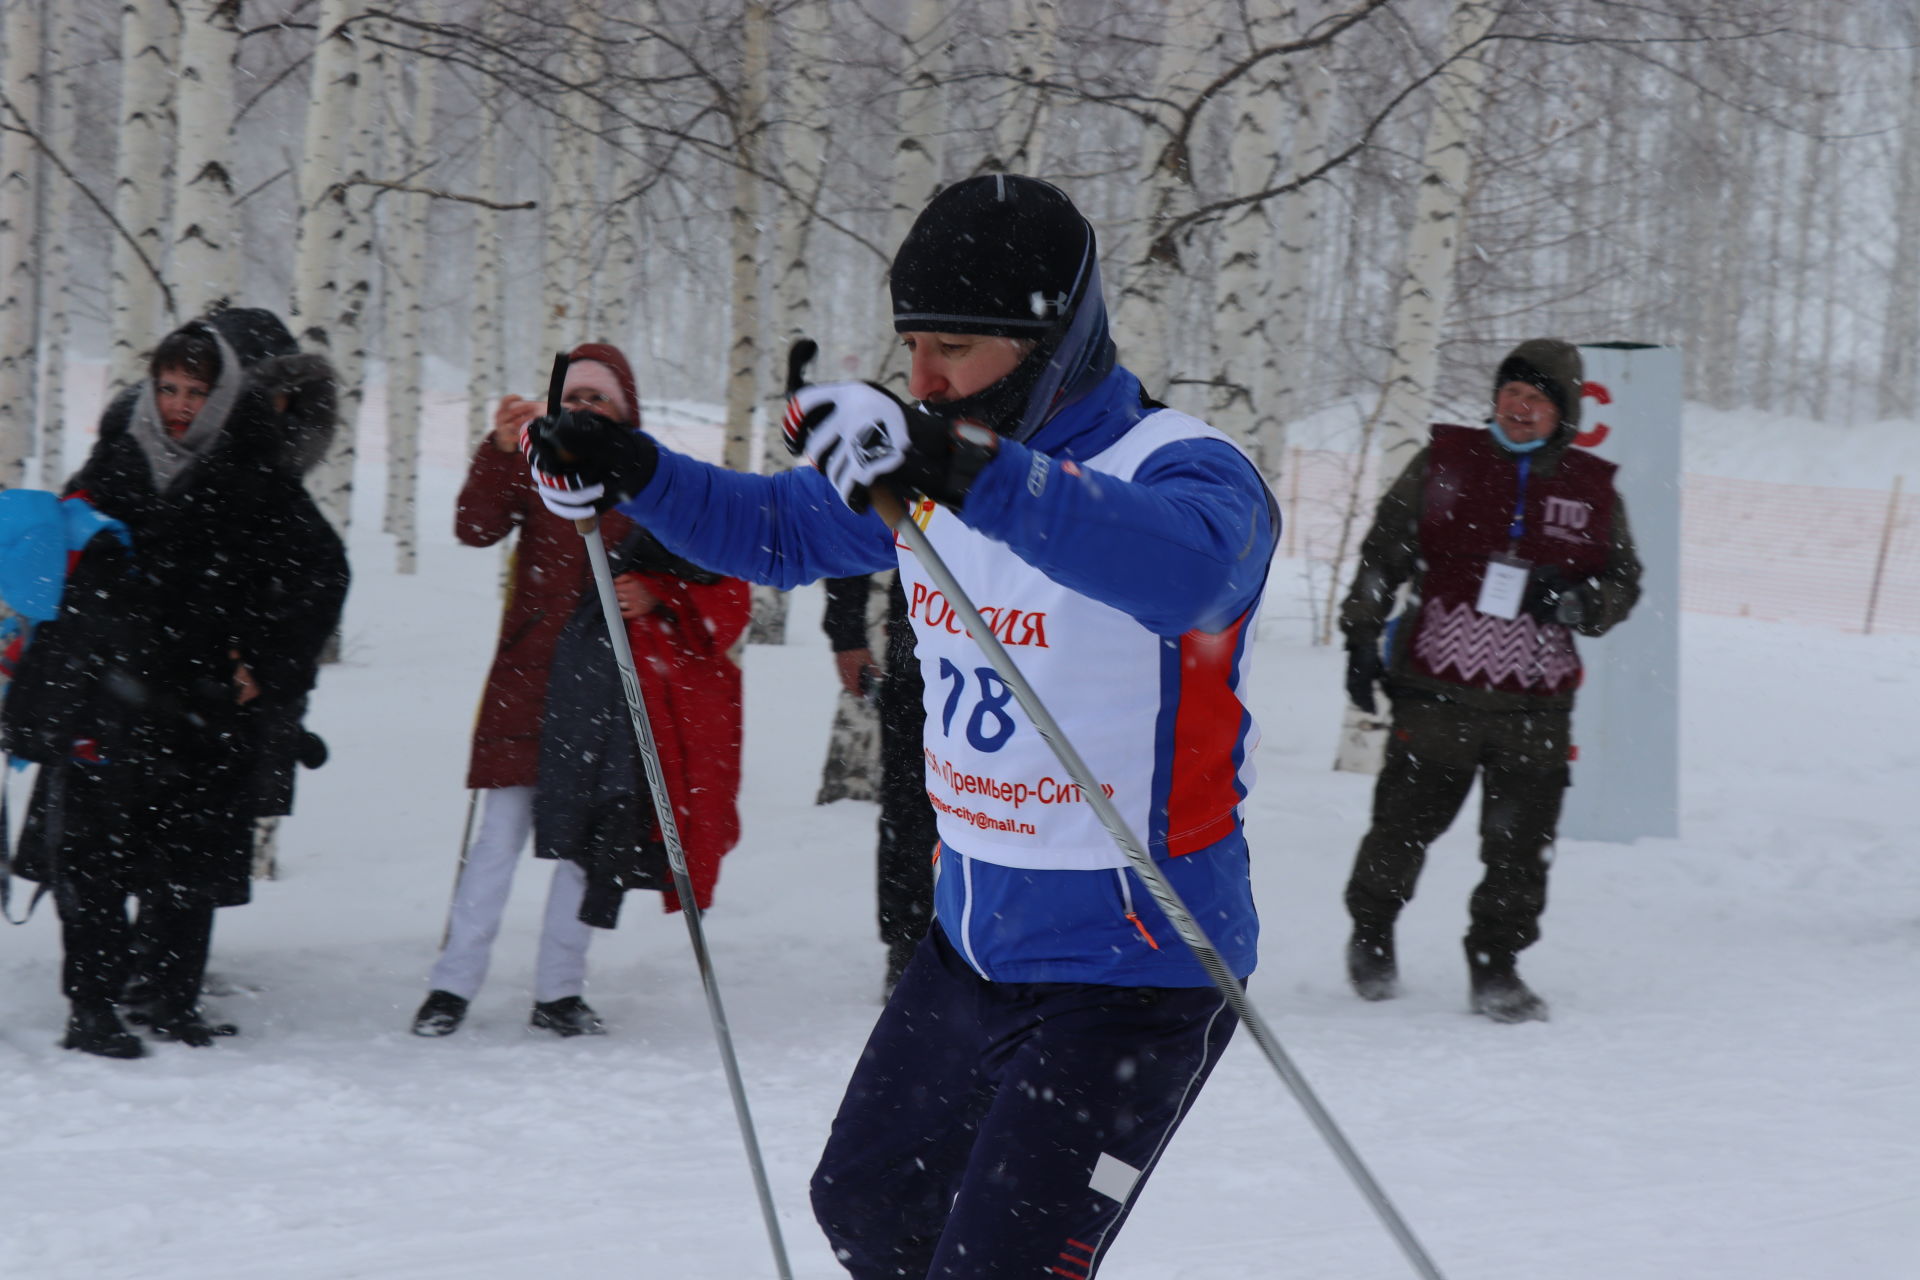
{"points": [[1434, 750]]}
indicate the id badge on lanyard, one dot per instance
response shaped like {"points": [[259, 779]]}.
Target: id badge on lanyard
{"points": [[1504, 585]]}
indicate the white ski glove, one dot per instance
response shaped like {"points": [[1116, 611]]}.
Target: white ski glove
{"points": [[853, 431], [859, 434]]}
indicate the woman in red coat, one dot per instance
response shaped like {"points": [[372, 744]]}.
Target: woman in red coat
{"points": [[550, 580]]}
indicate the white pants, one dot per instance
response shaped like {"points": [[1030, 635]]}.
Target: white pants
{"points": [[480, 899]]}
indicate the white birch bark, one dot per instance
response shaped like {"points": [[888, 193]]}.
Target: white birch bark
{"points": [[20, 168], [405, 299], [332, 481], [1020, 142], [802, 148], [1901, 329], [1244, 350], [1290, 290], [566, 281], [918, 148], [744, 373], [1433, 244], [330, 88], [140, 185], [1163, 190], [63, 102], [1426, 287], [485, 374], [205, 263], [919, 144], [614, 298]]}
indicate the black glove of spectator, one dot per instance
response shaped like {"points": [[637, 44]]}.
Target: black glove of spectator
{"points": [[1364, 668], [1552, 598], [859, 432], [583, 463], [310, 749]]}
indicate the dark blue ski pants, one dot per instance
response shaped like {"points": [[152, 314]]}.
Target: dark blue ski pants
{"points": [[1004, 1129]]}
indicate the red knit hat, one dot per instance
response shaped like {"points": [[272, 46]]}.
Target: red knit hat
{"points": [[610, 356]]}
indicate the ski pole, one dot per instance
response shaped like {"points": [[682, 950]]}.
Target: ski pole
{"points": [[589, 529], [460, 869]]}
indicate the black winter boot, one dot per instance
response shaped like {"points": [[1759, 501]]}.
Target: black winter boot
{"points": [[567, 1016], [1498, 992], [96, 1028], [441, 1014], [1371, 966], [188, 1026]]}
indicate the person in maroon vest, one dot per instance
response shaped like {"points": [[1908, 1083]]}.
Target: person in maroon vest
{"points": [[1509, 540]]}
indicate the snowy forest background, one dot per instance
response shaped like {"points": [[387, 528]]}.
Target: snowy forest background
{"points": [[1300, 204], [1322, 223]]}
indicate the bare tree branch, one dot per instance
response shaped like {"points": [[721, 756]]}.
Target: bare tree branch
{"points": [[23, 125]]}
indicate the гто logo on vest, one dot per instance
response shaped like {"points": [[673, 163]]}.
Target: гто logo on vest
{"points": [[1010, 626], [1566, 518]]}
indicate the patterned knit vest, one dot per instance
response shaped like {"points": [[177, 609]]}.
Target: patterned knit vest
{"points": [[1472, 488]]}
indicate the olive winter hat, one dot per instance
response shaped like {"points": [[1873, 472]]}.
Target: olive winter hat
{"points": [[1551, 365], [999, 254]]}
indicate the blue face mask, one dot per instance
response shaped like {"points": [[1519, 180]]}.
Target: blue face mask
{"points": [[1493, 425]]}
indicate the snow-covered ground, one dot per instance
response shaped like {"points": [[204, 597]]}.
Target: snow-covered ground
{"points": [[1726, 1090]]}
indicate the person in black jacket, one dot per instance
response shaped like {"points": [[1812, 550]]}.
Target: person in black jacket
{"points": [[163, 704], [904, 854]]}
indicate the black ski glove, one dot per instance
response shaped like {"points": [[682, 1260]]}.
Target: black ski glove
{"points": [[859, 433], [1552, 598], [583, 464], [1364, 669]]}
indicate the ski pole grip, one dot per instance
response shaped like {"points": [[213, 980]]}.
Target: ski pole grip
{"points": [[799, 356], [556, 389]]}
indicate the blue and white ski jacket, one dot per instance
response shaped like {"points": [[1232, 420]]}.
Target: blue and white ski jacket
{"points": [[1151, 536]]}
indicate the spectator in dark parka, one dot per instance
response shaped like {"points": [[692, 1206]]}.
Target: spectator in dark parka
{"points": [[163, 703]]}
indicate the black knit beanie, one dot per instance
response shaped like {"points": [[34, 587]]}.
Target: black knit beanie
{"points": [[998, 254], [1551, 365]]}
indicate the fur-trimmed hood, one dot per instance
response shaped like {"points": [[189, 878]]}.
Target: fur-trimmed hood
{"points": [[287, 414]]}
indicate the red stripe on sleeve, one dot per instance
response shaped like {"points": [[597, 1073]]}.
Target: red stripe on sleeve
{"points": [[1203, 788]]}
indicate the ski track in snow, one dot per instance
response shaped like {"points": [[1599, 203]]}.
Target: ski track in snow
{"points": [[1725, 1091]]}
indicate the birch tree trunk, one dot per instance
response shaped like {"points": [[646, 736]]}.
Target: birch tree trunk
{"points": [[1244, 351], [1290, 292], [918, 146], [406, 299], [802, 142], [1901, 330], [63, 102], [1433, 245], [1020, 143], [323, 201], [620, 270], [205, 266], [1801, 303], [485, 372], [1420, 311], [567, 280], [744, 374], [332, 480], [19, 258], [140, 185], [1163, 190]]}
